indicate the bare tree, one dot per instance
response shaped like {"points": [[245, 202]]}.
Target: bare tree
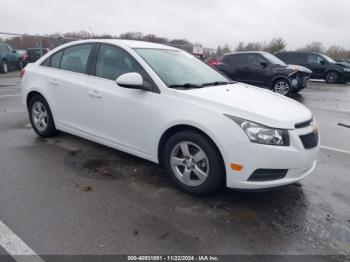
{"points": [[313, 47], [275, 45]]}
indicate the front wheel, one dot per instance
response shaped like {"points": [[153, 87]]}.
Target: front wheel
{"points": [[193, 163], [332, 77], [282, 87], [41, 117]]}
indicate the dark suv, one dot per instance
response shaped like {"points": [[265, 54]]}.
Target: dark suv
{"points": [[8, 58], [322, 66], [264, 70]]}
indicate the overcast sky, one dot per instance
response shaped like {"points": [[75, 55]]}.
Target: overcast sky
{"points": [[210, 22]]}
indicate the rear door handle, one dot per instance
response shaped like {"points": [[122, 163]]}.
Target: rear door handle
{"points": [[53, 82], [94, 93]]}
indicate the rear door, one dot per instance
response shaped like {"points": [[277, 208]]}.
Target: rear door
{"points": [[66, 78], [234, 67]]}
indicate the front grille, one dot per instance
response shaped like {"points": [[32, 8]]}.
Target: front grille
{"points": [[261, 175], [303, 124], [310, 140]]}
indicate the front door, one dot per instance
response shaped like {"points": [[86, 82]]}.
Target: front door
{"points": [[115, 114], [317, 64]]}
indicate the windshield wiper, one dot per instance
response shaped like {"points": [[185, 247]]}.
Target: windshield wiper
{"points": [[217, 83], [186, 85]]}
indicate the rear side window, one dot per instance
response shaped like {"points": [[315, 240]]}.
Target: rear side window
{"points": [[238, 59], [112, 62], [75, 58], [297, 59], [55, 59]]}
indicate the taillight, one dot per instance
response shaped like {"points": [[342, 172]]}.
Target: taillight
{"points": [[215, 63], [25, 57], [21, 73]]}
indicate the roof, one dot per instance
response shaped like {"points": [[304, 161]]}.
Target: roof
{"points": [[247, 52], [128, 43]]}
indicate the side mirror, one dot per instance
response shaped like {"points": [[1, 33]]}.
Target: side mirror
{"points": [[322, 62], [263, 64], [132, 81], [14, 51]]}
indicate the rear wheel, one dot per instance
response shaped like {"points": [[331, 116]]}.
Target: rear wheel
{"points": [[41, 117], [332, 77], [282, 87], [4, 66], [193, 163]]}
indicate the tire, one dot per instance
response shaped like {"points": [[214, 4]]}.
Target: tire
{"points": [[210, 163], [41, 117], [282, 86], [4, 67], [332, 77]]}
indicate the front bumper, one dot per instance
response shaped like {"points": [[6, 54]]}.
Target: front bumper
{"points": [[300, 82], [346, 76], [299, 162]]}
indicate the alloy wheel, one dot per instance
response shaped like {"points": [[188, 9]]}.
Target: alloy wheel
{"points": [[281, 87], [189, 163], [39, 116], [332, 77]]}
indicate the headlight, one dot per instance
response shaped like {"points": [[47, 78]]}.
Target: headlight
{"points": [[346, 69], [261, 134]]}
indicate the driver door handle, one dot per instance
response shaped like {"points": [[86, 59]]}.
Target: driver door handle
{"points": [[94, 93]]}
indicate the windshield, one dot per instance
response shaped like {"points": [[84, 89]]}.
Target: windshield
{"points": [[273, 59], [328, 59], [178, 68]]}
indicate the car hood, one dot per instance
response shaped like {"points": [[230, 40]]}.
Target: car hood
{"points": [[250, 103], [343, 64]]}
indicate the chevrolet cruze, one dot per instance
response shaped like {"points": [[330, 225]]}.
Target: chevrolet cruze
{"points": [[162, 104]]}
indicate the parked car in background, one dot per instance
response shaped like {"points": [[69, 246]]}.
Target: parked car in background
{"points": [[33, 54], [21, 56], [264, 70], [8, 58], [322, 66], [206, 131]]}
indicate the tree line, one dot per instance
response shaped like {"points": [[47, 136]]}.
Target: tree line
{"points": [[275, 45]]}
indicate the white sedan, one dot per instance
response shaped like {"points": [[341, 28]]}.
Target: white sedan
{"points": [[162, 104]]}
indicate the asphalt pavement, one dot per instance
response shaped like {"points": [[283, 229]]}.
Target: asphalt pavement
{"points": [[70, 196]]}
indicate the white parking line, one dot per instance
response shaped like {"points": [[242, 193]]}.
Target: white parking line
{"points": [[336, 149], [16, 247], [10, 95]]}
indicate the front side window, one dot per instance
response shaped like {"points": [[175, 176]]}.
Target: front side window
{"points": [[314, 59], [177, 68], [75, 59], [254, 59], [273, 59], [113, 62]]}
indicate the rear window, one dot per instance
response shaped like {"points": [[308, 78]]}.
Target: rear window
{"points": [[55, 59]]}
